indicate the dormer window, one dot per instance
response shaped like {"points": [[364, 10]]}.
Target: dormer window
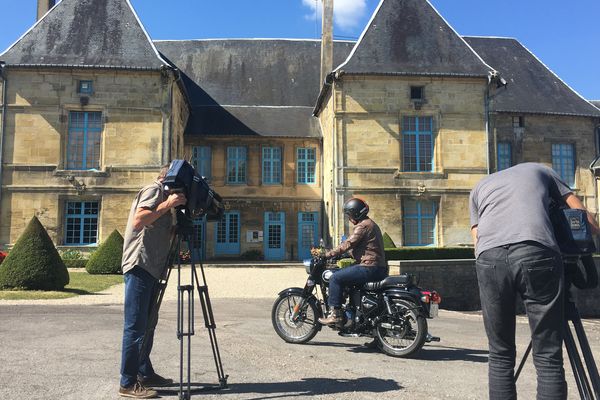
{"points": [[85, 87], [518, 122], [417, 93]]}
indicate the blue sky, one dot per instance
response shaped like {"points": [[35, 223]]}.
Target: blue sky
{"points": [[564, 35]]}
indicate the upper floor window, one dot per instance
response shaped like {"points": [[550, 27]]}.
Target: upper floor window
{"points": [[271, 165], [563, 162], [417, 93], [504, 155], [81, 222], [83, 142], [417, 140], [518, 122], [85, 87], [418, 222], [306, 162], [201, 160], [236, 164]]}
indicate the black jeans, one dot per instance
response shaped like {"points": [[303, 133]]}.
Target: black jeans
{"points": [[536, 274]]}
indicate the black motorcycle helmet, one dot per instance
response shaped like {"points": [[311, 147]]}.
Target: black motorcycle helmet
{"points": [[356, 209]]}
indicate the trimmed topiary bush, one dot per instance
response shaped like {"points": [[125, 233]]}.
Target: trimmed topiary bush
{"points": [[388, 243], [429, 253], [34, 263], [107, 258]]}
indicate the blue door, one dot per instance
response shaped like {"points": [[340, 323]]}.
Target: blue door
{"points": [[198, 239], [274, 236], [227, 234], [308, 231]]}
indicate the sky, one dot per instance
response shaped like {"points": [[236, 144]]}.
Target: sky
{"points": [[565, 36]]}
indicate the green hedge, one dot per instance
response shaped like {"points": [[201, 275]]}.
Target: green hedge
{"points": [[388, 243], [75, 263], [107, 258], [429, 253], [34, 263]]}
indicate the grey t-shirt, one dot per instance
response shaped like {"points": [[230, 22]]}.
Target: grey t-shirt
{"points": [[511, 206], [148, 248]]}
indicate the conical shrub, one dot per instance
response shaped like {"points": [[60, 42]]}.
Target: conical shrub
{"points": [[388, 243], [107, 258], [34, 263]]}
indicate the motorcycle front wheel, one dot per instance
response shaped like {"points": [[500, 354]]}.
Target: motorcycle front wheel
{"points": [[403, 333], [299, 329]]}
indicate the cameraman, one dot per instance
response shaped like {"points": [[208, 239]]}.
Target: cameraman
{"points": [[517, 252], [366, 243], [145, 251]]}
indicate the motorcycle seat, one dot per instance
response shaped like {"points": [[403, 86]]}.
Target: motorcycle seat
{"points": [[390, 281]]}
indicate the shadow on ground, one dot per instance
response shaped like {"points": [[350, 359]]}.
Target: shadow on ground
{"points": [[304, 387]]}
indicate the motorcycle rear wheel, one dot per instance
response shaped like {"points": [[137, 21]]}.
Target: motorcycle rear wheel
{"points": [[301, 330], [407, 340]]}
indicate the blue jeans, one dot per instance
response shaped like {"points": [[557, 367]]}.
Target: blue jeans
{"points": [[536, 274], [139, 289], [351, 276]]}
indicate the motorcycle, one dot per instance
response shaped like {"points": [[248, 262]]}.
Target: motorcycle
{"points": [[393, 311]]}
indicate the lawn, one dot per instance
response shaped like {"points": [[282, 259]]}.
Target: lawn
{"points": [[80, 283]]}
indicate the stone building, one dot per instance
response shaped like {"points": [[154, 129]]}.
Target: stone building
{"points": [[410, 118]]}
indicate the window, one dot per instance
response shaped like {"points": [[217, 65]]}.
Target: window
{"points": [[417, 140], [563, 162], [271, 165], [81, 222], [504, 155], [85, 87], [83, 142], [236, 165], [201, 160], [417, 93], [598, 141], [418, 220], [306, 161], [228, 234], [518, 122]]}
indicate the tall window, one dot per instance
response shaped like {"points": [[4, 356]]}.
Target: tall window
{"points": [[81, 222], [271, 165], [504, 155], [306, 161], [83, 143], [236, 164], [201, 160], [563, 162], [228, 234], [417, 139], [418, 220]]}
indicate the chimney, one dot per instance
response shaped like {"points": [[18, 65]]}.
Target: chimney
{"points": [[327, 40], [43, 7]]}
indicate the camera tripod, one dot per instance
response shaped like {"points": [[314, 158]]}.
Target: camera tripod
{"points": [[586, 391], [185, 308]]}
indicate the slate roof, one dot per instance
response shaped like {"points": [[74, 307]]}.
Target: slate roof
{"points": [[86, 33], [263, 87], [532, 87], [596, 103], [410, 37]]}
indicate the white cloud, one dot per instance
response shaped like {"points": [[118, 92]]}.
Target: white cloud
{"points": [[346, 13]]}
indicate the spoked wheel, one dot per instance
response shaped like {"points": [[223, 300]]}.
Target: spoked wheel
{"points": [[298, 327], [404, 332]]}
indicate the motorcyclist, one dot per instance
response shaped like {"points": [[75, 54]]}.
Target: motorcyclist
{"points": [[366, 245]]}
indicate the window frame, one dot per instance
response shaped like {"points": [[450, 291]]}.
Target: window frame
{"points": [[275, 165], [82, 216], [237, 161], [202, 162], [504, 156], [420, 217], [418, 135], [88, 91], [421, 90], [72, 161], [304, 164], [561, 168]]}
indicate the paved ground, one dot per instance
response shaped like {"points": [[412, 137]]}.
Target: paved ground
{"points": [[72, 351]]}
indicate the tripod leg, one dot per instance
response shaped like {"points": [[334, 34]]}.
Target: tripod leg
{"points": [[522, 364], [583, 386], [587, 354]]}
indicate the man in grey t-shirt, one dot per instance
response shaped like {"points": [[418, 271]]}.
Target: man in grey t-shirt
{"points": [[145, 251], [517, 253]]}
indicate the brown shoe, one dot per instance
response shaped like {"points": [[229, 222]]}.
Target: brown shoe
{"points": [[137, 391], [334, 318], [154, 380]]}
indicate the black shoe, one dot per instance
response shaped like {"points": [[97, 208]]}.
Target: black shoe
{"points": [[373, 344], [154, 380]]}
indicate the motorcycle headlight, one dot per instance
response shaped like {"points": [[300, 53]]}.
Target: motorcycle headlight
{"points": [[307, 265], [326, 275]]}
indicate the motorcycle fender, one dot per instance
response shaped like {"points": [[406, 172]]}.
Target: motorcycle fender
{"points": [[311, 299], [399, 293]]}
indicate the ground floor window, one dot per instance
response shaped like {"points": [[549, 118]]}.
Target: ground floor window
{"points": [[228, 234], [81, 222], [418, 222]]}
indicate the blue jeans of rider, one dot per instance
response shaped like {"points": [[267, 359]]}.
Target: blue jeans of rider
{"points": [[139, 287], [350, 276], [536, 274]]}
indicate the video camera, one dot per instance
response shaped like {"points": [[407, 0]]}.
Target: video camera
{"points": [[201, 199]]}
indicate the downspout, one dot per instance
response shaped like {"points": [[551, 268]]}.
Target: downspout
{"points": [[2, 121]]}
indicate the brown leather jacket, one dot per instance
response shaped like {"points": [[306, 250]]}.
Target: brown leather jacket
{"points": [[366, 243]]}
